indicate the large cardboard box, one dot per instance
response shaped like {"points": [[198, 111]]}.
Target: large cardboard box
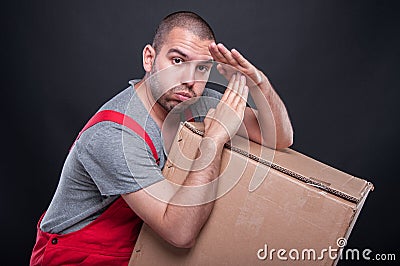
{"points": [[273, 207]]}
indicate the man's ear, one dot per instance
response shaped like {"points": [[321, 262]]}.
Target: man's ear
{"points": [[149, 55]]}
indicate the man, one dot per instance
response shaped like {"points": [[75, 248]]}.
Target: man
{"points": [[100, 202]]}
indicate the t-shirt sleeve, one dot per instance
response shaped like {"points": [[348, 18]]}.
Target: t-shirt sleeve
{"points": [[209, 99], [212, 93], [118, 160]]}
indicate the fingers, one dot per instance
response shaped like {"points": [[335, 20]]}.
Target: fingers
{"points": [[221, 70], [229, 88], [224, 122], [240, 59], [241, 98], [236, 92], [232, 61], [227, 54], [216, 54], [221, 54]]}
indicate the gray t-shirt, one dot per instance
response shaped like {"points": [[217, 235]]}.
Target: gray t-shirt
{"points": [[109, 160]]}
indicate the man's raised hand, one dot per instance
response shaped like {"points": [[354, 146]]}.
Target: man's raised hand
{"points": [[232, 62], [223, 123]]}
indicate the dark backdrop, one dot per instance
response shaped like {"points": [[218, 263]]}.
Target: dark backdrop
{"points": [[334, 63]]}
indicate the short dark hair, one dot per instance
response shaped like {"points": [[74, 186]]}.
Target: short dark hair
{"points": [[182, 19]]}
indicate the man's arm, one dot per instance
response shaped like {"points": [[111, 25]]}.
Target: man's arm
{"points": [[180, 224], [177, 224], [269, 124]]}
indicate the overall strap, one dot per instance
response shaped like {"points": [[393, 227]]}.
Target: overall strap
{"points": [[119, 118]]}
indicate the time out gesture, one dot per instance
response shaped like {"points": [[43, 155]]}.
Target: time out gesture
{"points": [[269, 125]]}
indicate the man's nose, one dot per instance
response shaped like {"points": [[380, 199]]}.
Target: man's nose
{"points": [[189, 75]]}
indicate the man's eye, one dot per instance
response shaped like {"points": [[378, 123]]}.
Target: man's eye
{"points": [[177, 60], [202, 68]]}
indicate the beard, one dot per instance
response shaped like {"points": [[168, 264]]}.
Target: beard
{"points": [[162, 94]]}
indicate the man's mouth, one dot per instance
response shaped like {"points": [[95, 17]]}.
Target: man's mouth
{"points": [[183, 96]]}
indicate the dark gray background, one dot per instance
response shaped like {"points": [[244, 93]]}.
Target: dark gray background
{"points": [[334, 63]]}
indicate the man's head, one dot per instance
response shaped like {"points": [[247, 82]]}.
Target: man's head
{"points": [[178, 63], [184, 20]]}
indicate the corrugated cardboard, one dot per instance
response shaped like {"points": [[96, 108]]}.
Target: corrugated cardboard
{"points": [[283, 202]]}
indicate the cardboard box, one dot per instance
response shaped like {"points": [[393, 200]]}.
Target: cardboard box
{"points": [[274, 207]]}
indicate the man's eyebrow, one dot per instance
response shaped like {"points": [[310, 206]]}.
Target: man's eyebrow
{"points": [[175, 50]]}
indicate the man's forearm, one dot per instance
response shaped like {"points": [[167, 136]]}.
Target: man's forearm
{"points": [[192, 204], [276, 128]]}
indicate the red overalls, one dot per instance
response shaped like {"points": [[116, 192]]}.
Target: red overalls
{"points": [[108, 240]]}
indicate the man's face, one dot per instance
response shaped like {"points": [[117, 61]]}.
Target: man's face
{"points": [[180, 70]]}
